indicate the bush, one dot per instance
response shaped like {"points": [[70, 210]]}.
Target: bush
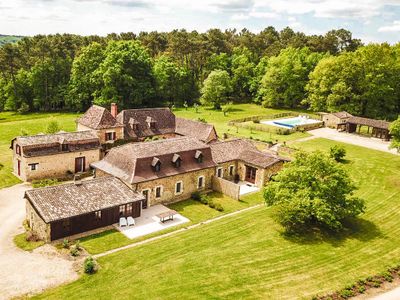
{"points": [[44, 182], [74, 251], [31, 237], [346, 294], [361, 289], [219, 207], [53, 127], [387, 276], [202, 120], [211, 204], [78, 245], [256, 121], [196, 196], [337, 153], [23, 109], [90, 265], [204, 199], [65, 244]]}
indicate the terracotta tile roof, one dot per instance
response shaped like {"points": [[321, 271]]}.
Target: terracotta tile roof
{"points": [[163, 119], [133, 162], [47, 144], [369, 122], [69, 200], [238, 149], [97, 117], [196, 129], [342, 114], [61, 137]]}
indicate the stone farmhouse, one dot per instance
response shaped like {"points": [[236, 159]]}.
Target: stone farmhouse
{"points": [[186, 157], [54, 155]]}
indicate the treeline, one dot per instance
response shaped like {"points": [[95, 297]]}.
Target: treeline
{"points": [[276, 68]]}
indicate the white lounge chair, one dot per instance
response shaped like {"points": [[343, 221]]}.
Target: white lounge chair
{"points": [[122, 222], [131, 221]]}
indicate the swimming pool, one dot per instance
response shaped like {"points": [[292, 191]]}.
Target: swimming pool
{"points": [[291, 122]]}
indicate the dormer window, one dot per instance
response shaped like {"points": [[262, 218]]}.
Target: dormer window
{"points": [[18, 149], [156, 164], [133, 124], [199, 156], [176, 160], [151, 123]]}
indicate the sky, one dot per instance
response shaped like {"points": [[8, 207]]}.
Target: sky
{"points": [[369, 20]]}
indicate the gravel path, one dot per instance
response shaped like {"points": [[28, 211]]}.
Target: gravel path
{"points": [[24, 272], [354, 139]]}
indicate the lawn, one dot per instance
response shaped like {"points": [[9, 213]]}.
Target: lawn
{"points": [[21, 242], [220, 121], [247, 256], [11, 125], [193, 210]]}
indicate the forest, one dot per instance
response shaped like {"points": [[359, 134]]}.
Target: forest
{"points": [[284, 69]]}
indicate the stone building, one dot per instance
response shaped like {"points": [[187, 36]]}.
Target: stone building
{"points": [[332, 120], [202, 131], [171, 170], [104, 123], [63, 210], [54, 155]]}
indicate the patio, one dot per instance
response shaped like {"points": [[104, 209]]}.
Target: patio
{"points": [[148, 222], [246, 188]]}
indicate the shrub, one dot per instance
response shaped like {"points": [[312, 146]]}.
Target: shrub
{"points": [[74, 251], [283, 131], [387, 276], [31, 237], [346, 293], [196, 196], [53, 127], [256, 121], [23, 132], [361, 289], [202, 120], [204, 199], [78, 245], [219, 207], [23, 109], [211, 204], [90, 265], [44, 182], [337, 153], [65, 244]]}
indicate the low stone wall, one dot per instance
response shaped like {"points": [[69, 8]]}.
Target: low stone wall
{"points": [[226, 187]]}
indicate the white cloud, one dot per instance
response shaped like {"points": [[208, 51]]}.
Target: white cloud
{"points": [[395, 27]]}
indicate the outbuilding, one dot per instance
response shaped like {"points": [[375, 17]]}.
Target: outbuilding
{"points": [[60, 211]]}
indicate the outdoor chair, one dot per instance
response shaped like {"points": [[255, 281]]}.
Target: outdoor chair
{"points": [[131, 221], [122, 222]]}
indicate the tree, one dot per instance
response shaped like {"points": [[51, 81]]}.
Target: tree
{"points": [[216, 88], [313, 191], [395, 132], [284, 82], [126, 76], [337, 153], [242, 69], [53, 127]]}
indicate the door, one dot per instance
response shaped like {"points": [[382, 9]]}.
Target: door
{"points": [[79, 164], [250, 174], [146, 198], [19, 167]]}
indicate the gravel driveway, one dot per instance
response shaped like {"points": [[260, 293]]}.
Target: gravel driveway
{"points": [[23, 272], [372, 143]]}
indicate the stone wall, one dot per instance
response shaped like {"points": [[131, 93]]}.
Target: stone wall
{"points": [[330, 120], [36, 223], [226, 187], [53, 166], [189, 181]]}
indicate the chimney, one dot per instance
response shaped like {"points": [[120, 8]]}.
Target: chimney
{"points": [[114, 110]]}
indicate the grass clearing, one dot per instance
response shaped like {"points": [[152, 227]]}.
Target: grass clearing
{"points": [[195, 211], [21, 242], [11, 125], [246, 256]]}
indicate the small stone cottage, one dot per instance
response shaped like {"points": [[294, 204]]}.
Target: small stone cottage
{"points": [[63, 210], [54, 155], [332, 120]]}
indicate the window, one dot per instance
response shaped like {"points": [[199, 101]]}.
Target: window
{"points": [[121, 210], [18, 149], [220, 172], [64, 147], [110, 136], [200, 182], [33, 167], [157, 167], [97, 215], [129, 208], [199, 156], [178, 187], [135, 127], [158, 191], [231, 170]]}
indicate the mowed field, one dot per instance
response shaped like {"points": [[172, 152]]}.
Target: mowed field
{"points": [[11, 125], [247, 257]]}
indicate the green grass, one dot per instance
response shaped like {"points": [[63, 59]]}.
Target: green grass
{"points": [[11, 125], [21, 242], [220, 121], [247, 256], [193, 210]]}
